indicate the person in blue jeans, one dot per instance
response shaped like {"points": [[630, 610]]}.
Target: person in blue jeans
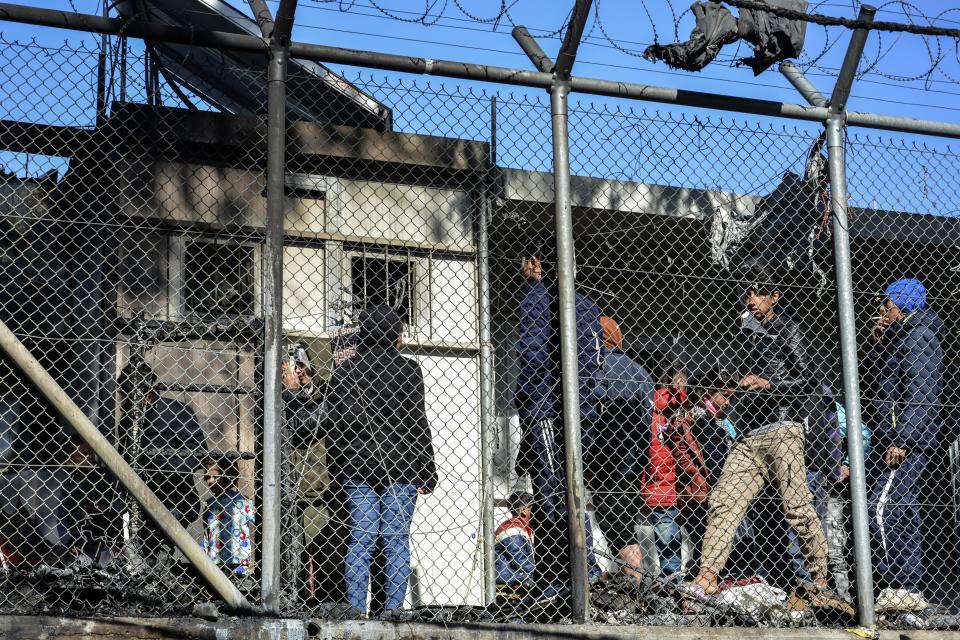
{"points": [[381, 450], [384, 511]]}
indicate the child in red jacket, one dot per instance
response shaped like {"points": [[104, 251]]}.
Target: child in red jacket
{"points": [[660, 477], [677, 482]]}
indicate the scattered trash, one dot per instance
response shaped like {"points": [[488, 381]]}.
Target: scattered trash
{"points": [[617, 599], [758, 600], [913, 621]]}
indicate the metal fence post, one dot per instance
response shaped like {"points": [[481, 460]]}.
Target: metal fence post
{"points": [[566, 273], [270, 570], [851, 376], [273, 329], [487, 408], [847, 319]]}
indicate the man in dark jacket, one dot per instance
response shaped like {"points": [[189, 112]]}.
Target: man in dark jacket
{"points": [[381, 451], [166, 440], [909, 379], [770, 413], [539, 402]]}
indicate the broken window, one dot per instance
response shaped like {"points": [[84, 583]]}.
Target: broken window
{"points": [[383, 281], [218, 279]]}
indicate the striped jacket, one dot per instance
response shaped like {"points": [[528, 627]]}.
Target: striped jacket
{"points": [[513, 548]]}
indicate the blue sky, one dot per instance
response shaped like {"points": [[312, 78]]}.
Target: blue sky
{"points": [[358, 23], [611, 50], [624, 22]]}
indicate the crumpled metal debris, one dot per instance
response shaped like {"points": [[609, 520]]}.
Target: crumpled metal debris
{"points": [[83, 587], [774, 38]]}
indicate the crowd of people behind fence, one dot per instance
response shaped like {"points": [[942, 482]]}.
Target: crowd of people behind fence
{"points": [[751, 471], [740, 477]]}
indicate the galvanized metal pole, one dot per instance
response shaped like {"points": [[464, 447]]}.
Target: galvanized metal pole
{"points": [[34, 372], [532, 48], [487, 407], [261, 13], [570, 385], [102, 73], [567, 55], [270, 571], [847, 319], [801, 84], [566, 280], [273, 331]]}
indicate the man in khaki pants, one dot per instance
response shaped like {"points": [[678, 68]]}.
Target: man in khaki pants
{"points": [[769, 411]]}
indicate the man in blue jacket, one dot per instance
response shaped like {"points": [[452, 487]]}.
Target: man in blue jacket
{"points": [[539, 402], [616, 464], [909, 378]]}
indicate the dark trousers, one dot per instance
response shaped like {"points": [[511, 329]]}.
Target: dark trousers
{"points": [[546, 459], [616, 509], [895, 523]]}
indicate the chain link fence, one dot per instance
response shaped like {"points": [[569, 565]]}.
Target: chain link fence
{"points": [[130, 258], [418, 220]]}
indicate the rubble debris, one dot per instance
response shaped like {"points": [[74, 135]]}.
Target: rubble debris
{"points": [[206, 610], [335, 611]]}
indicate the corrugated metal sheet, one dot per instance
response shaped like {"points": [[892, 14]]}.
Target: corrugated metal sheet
{"points": [[314, 93]]}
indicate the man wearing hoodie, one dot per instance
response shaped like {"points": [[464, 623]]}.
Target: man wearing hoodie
{"points": [[616, 464], [539, 403], [770, 407], [909, 379]]}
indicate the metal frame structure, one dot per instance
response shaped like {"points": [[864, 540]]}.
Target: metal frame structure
{"points": [[468, 71], [557, 78]]}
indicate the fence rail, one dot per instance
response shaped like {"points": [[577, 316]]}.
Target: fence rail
{"points": [[421, 470]]}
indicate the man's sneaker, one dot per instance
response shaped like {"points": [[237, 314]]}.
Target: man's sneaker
{"points": [[894, 600]]}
